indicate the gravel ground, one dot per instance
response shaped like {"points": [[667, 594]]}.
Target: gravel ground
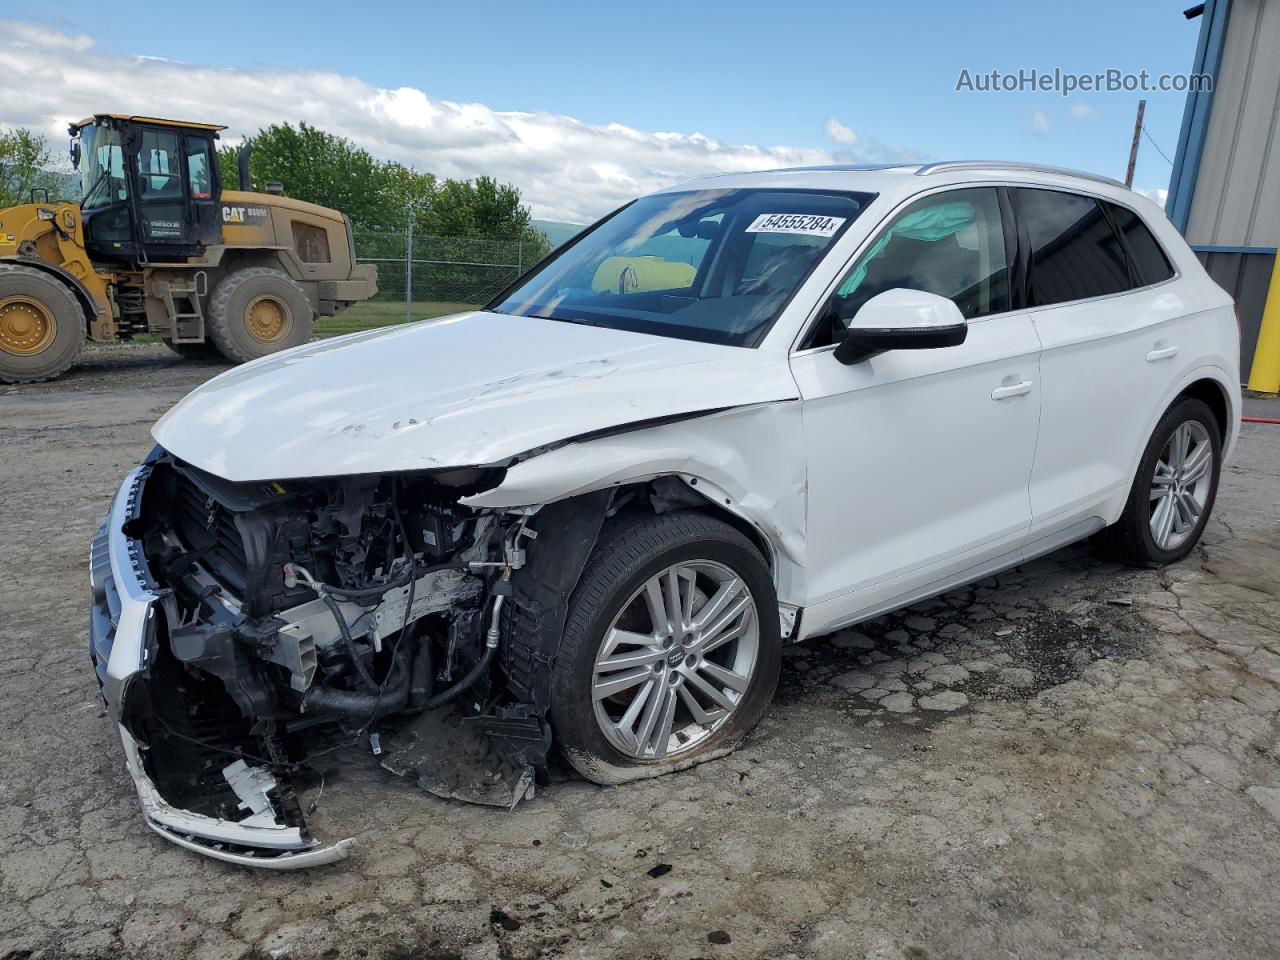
{"points": [[1072, 759]]}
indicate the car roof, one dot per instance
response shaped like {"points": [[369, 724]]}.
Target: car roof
{"points": [[901, 180]]}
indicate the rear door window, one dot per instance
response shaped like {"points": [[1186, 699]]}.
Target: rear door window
{"points": [[1075, 254]]}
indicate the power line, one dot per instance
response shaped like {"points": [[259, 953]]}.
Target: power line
{"points": [[1157, 146]]}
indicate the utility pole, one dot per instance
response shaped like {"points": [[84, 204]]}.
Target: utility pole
{"points": [[1133, 148]]}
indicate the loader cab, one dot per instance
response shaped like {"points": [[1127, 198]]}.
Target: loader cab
{"points": [[149, 187]]}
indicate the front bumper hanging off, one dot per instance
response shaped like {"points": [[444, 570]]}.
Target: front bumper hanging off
{"points": [[122, 637]]}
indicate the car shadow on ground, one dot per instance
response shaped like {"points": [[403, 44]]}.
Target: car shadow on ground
{"points": [[1008, 637]]}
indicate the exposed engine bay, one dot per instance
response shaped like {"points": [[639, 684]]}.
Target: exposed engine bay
{"points": [[304, 615]]}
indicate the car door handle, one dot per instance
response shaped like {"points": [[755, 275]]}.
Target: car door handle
{"points": [[1011, 390], [1162, 353]]}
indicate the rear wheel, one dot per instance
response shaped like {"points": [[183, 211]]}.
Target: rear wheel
{"points": [[42, 325], [1174, 490], [257, 311], [671, 649]]}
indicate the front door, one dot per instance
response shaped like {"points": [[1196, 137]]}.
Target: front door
{"points": [[920, 460], [160, 191]]}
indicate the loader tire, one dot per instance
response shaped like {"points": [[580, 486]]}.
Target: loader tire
{"points": [[257, 311], [42, 325]]}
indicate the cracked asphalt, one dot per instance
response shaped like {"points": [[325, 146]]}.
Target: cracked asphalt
{"points": [[1073, 759]]}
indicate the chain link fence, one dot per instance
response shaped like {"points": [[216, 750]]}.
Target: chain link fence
{"points": [[415, 268]]}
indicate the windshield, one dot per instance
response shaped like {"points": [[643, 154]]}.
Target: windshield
{"points": [[102, 179], [710, 265]]}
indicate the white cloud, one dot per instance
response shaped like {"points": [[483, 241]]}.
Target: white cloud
{"points": [[1082, 111], [1157, 195], [1040, 122], [837, 132], [566, 169], [30, 36]]}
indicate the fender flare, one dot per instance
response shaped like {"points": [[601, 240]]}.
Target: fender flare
{"points": [[281, 257], [1206, 371], [87, 302], [711, 462]]}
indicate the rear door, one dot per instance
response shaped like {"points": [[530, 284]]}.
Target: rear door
{"points": [[1109, 327]]}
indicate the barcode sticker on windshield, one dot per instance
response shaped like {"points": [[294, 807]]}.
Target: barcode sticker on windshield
{"points": [[814, 226]]}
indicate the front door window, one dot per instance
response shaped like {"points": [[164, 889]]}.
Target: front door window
{"points": [[161, 200], [951, 244]]}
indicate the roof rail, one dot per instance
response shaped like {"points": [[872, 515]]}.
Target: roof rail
{"points": [[843, 168], [946, 166]]}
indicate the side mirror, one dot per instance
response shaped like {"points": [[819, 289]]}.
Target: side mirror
{"points": [[902, 320]]}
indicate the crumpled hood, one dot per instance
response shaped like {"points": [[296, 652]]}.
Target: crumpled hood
{"points": [[466, 390]]}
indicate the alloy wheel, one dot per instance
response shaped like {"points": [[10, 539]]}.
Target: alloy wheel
{"points": [[1180, 485], [676, 661]]}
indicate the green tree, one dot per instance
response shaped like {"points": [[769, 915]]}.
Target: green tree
{"points": [[227, 167], [24, 159], [484, 208], [323, 168], [406, 191], [315, 166]]}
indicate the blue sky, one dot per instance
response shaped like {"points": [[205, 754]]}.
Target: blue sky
{"points": [[765, 74]]}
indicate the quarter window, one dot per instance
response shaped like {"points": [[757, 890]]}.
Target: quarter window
{"points": [[950, 244], [1149, 260], [1075, 254]]}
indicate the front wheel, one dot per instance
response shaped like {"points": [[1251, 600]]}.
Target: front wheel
{"points": [[42, 326], [1174, 490], [671, 649]]}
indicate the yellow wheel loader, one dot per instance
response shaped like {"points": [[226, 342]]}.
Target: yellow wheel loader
{"points": [[155, 245]]}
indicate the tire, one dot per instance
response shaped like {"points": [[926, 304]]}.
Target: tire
{"points": [[1136, 538], [256, 311], [42, 325], [612, 590], [197, 352]]}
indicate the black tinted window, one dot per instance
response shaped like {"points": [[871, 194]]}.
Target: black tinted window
{"points": [[1074, 252], [1150, 263]]}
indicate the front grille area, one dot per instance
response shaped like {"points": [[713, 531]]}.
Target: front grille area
{"points": [[209, 530]]}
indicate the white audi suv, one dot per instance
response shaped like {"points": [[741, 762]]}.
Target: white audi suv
{"points": [[733, 414]]}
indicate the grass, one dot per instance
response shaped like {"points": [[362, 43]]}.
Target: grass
{"points": [[373, 313]]}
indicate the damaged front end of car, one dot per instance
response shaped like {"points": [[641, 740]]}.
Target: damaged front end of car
{"points": [[235, 626]]}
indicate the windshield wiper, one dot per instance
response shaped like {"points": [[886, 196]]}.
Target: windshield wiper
{"points": [[578, 320], [92, 190]]}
